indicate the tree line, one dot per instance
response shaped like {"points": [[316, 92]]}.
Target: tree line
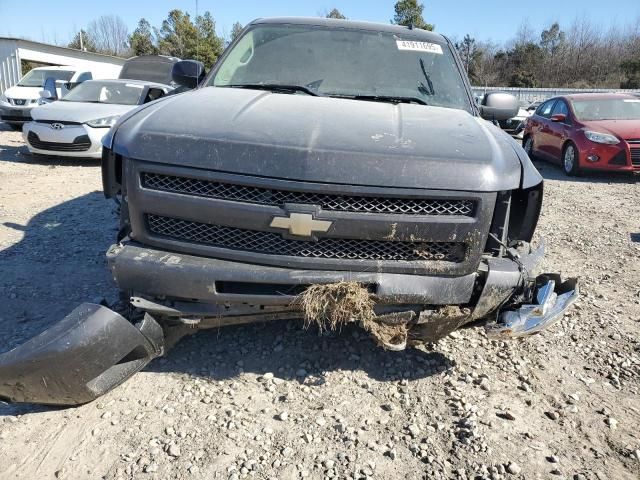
{"points": [[578, 55], [181, 35]]}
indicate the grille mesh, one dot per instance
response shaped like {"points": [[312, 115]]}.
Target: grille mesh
{"points": [[339, 203], [635, 155], [330, 248]]}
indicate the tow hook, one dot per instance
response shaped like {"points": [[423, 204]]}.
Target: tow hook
{"points": [[552, 298], [85, 355]]}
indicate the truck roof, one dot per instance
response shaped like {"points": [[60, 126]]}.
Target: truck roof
{"points": [[58, 67], [134, 81], [372, 26]]}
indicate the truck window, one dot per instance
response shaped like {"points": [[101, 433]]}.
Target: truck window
{"points": [[36, 78], [334, 61]]}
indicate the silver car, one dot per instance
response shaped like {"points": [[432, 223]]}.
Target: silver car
{"points": [[75, 125]]}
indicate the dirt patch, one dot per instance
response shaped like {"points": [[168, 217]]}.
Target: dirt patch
{"points": [[331, 306], [390, 336]]}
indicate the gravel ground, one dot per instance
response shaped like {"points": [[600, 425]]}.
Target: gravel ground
{"points": [[276, 401]]}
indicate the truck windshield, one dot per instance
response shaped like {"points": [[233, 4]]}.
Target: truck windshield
{"points": [[36, 78], [343, 62], [95, 91]]}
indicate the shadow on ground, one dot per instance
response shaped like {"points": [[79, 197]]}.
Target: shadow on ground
{"points": [[285, 349]]}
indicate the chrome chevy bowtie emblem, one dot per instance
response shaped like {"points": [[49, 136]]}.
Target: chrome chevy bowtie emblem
{"points": [[301, 224], [57, 126]]}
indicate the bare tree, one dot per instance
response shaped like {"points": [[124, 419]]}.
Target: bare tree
{"points": [[110, 35], [487, 68]]}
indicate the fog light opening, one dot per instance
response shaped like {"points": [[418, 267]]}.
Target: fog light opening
{"points": [[593, 158]]}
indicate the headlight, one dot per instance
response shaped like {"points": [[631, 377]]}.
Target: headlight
{"points": [[35, 100], [104, 122], [599, 137]]}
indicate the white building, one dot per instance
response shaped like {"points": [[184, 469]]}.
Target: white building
{"points": [[13, 50]]}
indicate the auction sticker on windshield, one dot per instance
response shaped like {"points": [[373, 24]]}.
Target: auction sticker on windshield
{"points": [[419, 46]]}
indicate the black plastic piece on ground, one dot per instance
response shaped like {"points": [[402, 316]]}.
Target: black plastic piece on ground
{"points": [[90, 352]]}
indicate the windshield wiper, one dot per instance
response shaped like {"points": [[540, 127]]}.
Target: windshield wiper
{"points": [[383, 98], [274, 87], [423, 89]]}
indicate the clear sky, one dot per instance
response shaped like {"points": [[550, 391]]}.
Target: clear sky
{"points": [[56, 21]]}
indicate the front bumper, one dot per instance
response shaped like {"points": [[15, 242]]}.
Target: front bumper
{"points": [[170, 276], [60, 139], [94, 349], [88, 353], [622, 157], [160, 273], [15, 114]]}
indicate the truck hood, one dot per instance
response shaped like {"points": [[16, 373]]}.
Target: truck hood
{"points": [[29, 93], [78, 111], [319, 139]]}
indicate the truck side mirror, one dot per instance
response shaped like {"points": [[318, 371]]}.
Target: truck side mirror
{"points": [[188, 73], [499, 106], [49, 89]]}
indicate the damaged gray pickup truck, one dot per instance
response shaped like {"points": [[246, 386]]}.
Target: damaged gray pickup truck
{"points": [[328, 170]]}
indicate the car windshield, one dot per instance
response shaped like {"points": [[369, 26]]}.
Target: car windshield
{"points": [[342, 62], [607, 109], [36, 78], [93, 91]]}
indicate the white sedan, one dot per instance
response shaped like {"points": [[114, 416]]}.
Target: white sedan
{"points": [[75, 125]]}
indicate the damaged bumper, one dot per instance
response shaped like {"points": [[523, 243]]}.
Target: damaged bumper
{"points": [[94, 349], [213, 292], [552, 298], [88, 353]]}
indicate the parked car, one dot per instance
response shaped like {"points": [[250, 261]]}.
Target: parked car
{"points": [[318, 156], [515, 126], [589, 131], [17, 102], [75, 125], [510, 125]]}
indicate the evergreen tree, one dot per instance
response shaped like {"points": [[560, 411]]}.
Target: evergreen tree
{"points": [[409, 12], [141, 40]]}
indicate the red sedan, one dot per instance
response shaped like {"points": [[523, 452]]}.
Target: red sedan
{"points": [[586, 131]]}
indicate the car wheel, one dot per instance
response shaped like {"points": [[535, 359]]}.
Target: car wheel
{"points": [[570, 160], [528, 146]]}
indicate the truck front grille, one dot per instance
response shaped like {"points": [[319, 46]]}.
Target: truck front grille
{"points": [[330, 248], [337, 203]]}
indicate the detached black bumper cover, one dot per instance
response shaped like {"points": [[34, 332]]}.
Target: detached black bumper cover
{"points": [[89, 352]]}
